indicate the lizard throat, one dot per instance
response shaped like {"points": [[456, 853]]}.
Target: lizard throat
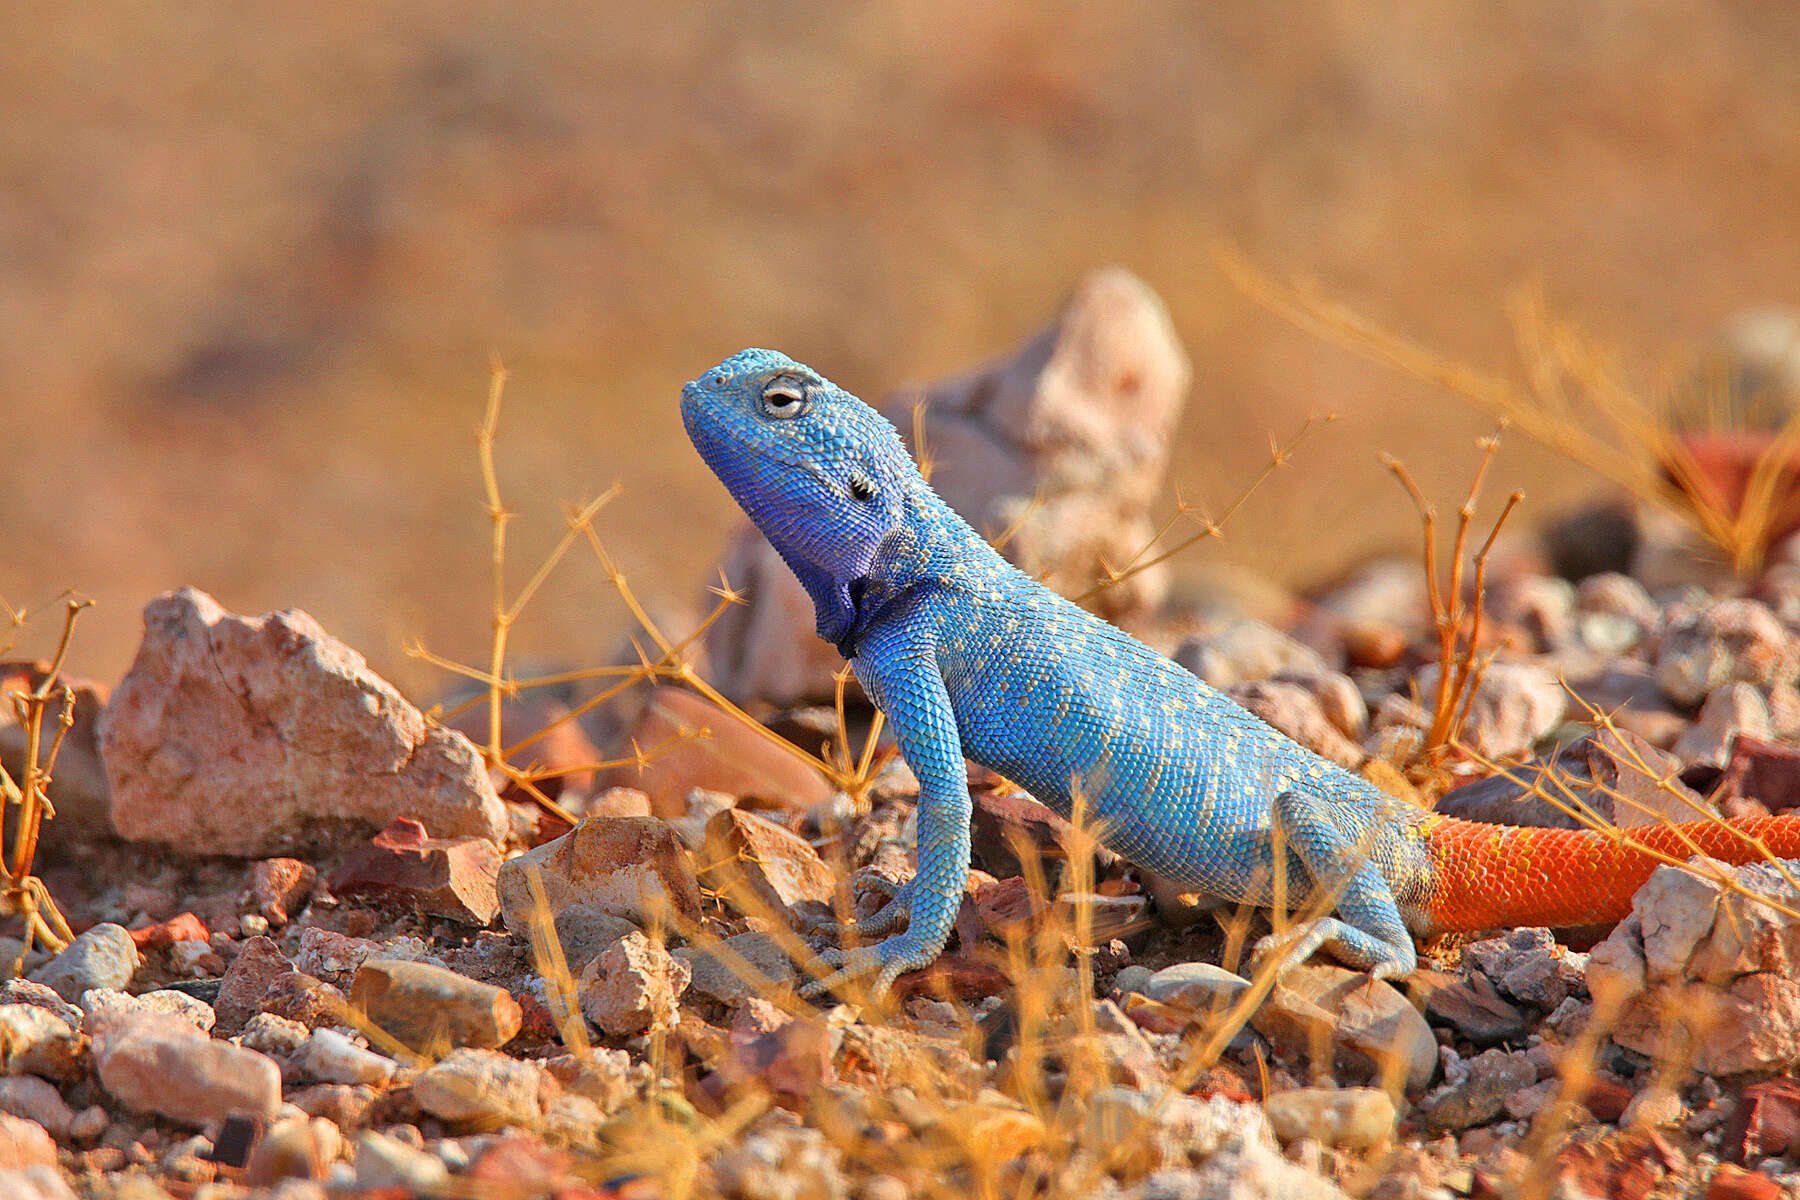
{"points": [[846, 645]]}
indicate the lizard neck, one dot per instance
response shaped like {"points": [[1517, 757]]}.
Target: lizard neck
{"points": [[930, 547]]}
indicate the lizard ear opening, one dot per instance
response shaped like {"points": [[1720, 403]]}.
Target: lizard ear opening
{"points": [[861, 486]]}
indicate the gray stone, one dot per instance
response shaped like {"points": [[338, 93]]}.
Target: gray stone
{"points": [[1515, 704], [632, 986], [1729, 712], [1703, 970], [716, 971], [329, 1057], [583, 931], [103, 957], [103, 1004], [1480, 1097], [1196, 987], [1246, 651], [388, 1162], [1732, 641]]}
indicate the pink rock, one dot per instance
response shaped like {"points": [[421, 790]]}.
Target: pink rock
{"points": [[762, 869], [1702, 970], [24, 1143], [252, 735], [445, 877], [633, 985], [164, 1065]]}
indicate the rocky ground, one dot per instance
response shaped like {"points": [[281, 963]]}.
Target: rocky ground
{"points": [[323, 952]]}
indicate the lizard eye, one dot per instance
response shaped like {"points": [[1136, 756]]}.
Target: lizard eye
{"points": [[785, 398]]}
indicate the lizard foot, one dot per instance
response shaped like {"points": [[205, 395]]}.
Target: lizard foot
{"points": [[1350, 945], [886, 961], [883, 921]]}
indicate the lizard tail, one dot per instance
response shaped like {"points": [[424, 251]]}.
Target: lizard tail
{"points": [[1488, 876]]}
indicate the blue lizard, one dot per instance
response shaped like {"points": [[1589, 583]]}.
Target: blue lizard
{"points": [[968, 656]]}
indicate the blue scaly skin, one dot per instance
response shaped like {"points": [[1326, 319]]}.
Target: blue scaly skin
{"points": [[968, 656]]}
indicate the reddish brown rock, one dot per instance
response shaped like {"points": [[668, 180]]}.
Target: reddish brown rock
{"points": [[633, 867], [185, 928], [427, 1007], [1009, 908], [957, 976], [258, 964], [762, 869], [699, 745], [1735, 1183], [279, 888], [312, 1002], [1765, 1122], [1762, 771], [1005, 824], [223, 716], [445, 877], [789, 1062], [520, 1166]]}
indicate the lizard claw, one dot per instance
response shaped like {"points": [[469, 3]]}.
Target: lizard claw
{"points": [[887, 961], [881, 922], [1351, 946]]}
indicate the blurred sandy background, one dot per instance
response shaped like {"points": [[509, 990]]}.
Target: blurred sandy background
{"points": [[253, 263]]}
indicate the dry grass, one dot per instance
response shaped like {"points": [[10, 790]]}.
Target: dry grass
{"points": [[27, 798], [1456, 614], [850, 769], [1573, 397]]}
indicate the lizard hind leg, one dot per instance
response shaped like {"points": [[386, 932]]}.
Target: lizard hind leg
{"points": [[1367, 933]]}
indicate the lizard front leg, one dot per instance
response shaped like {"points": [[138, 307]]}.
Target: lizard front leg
{"points": [[899, 670], [1368, 932]]}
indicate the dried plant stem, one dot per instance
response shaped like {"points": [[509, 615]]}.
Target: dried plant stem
{"points": [[1457, 623], [23, 892], [1279, 453]]}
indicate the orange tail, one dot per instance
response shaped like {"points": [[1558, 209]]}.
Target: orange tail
{"points": [[1488, 876]]}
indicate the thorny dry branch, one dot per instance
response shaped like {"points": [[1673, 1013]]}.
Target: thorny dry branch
{"points": [[21, 891]]}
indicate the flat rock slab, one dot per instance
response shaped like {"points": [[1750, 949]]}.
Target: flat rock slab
{"points": [[444, 877], [253, 736]]}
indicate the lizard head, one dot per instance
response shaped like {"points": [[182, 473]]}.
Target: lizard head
{"points": [[821, 473]]}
